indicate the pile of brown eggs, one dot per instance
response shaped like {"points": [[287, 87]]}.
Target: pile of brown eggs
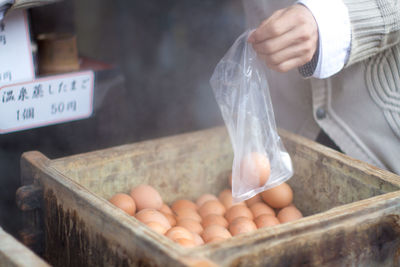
{"points": [[210, 218]]}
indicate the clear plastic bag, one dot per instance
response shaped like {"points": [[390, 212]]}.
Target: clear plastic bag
{"points": [[240, 86]]}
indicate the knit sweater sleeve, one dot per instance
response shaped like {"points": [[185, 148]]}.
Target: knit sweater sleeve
{"points": [[375, 26]]}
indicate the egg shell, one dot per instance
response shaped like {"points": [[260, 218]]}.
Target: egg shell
{"points": [[204, 198], [212, 207], [213, 231], [166, 209], [191, 225], [183, 204], [255, 169], [225, 197], [241, 225], [178, 232], [279, 196], [255, 199], [266, 220], [260, 208], [217, 239], [187, 214], [278, 210], [146, 197], [238, 211], [157, 227], [171, 218], [289, 214], [238, 204], [189, 243], [152, 215], [197, 239], [214, 219], [124, 202]]}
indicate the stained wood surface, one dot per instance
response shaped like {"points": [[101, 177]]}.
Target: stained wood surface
{"points": [[352, 208]]}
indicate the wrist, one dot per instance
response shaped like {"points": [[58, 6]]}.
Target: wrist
{"points": [[334, 39]]}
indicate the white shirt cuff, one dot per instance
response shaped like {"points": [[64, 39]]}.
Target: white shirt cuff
{"points": [[334, 31]]}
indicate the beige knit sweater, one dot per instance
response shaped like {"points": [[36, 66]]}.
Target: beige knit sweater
{"points": [[375, 27], [363, 100]]}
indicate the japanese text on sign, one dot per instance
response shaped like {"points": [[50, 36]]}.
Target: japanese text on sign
{"points": [[16, 64], [46, 101]]}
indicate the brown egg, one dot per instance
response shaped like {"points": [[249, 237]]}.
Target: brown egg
{"points": [[189, 243], [212, 207], [214, 219], [171, 218], [124, 202], [266, 220], [256, 169], [213, 231], [239, 204], [165, 209], [146, 197], [289, 214], [157, 227], [251, 201], [178, 232], [238, 211], [204, 198], [187, 214], [217, 239], [241, 225], [279, 196], [197, 239], [227, 200], [191, 225], [260, 208], [225, 196], [278, 210], [152, 215], [183, 204]]}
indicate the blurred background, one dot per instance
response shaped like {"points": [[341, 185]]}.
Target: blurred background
{"points": [[159, 56]]}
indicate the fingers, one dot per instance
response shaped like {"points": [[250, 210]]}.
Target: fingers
{"points": [[289, 64], [288, 39], [294, 37], [289, 58], [269, 28]]}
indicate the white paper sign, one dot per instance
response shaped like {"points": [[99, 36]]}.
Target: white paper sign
{"points": [[46, 101], [15, 49]]}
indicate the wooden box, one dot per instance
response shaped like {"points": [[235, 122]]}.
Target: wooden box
{"points": [[351, 208]]}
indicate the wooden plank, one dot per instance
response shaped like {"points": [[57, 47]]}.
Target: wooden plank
{"points": [[14, 254]]}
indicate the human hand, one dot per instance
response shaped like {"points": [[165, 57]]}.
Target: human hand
{"points": [[288, 39]]}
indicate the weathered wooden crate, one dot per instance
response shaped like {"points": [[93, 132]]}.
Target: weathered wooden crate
{"points": [[14, 254], [352, 209]]}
